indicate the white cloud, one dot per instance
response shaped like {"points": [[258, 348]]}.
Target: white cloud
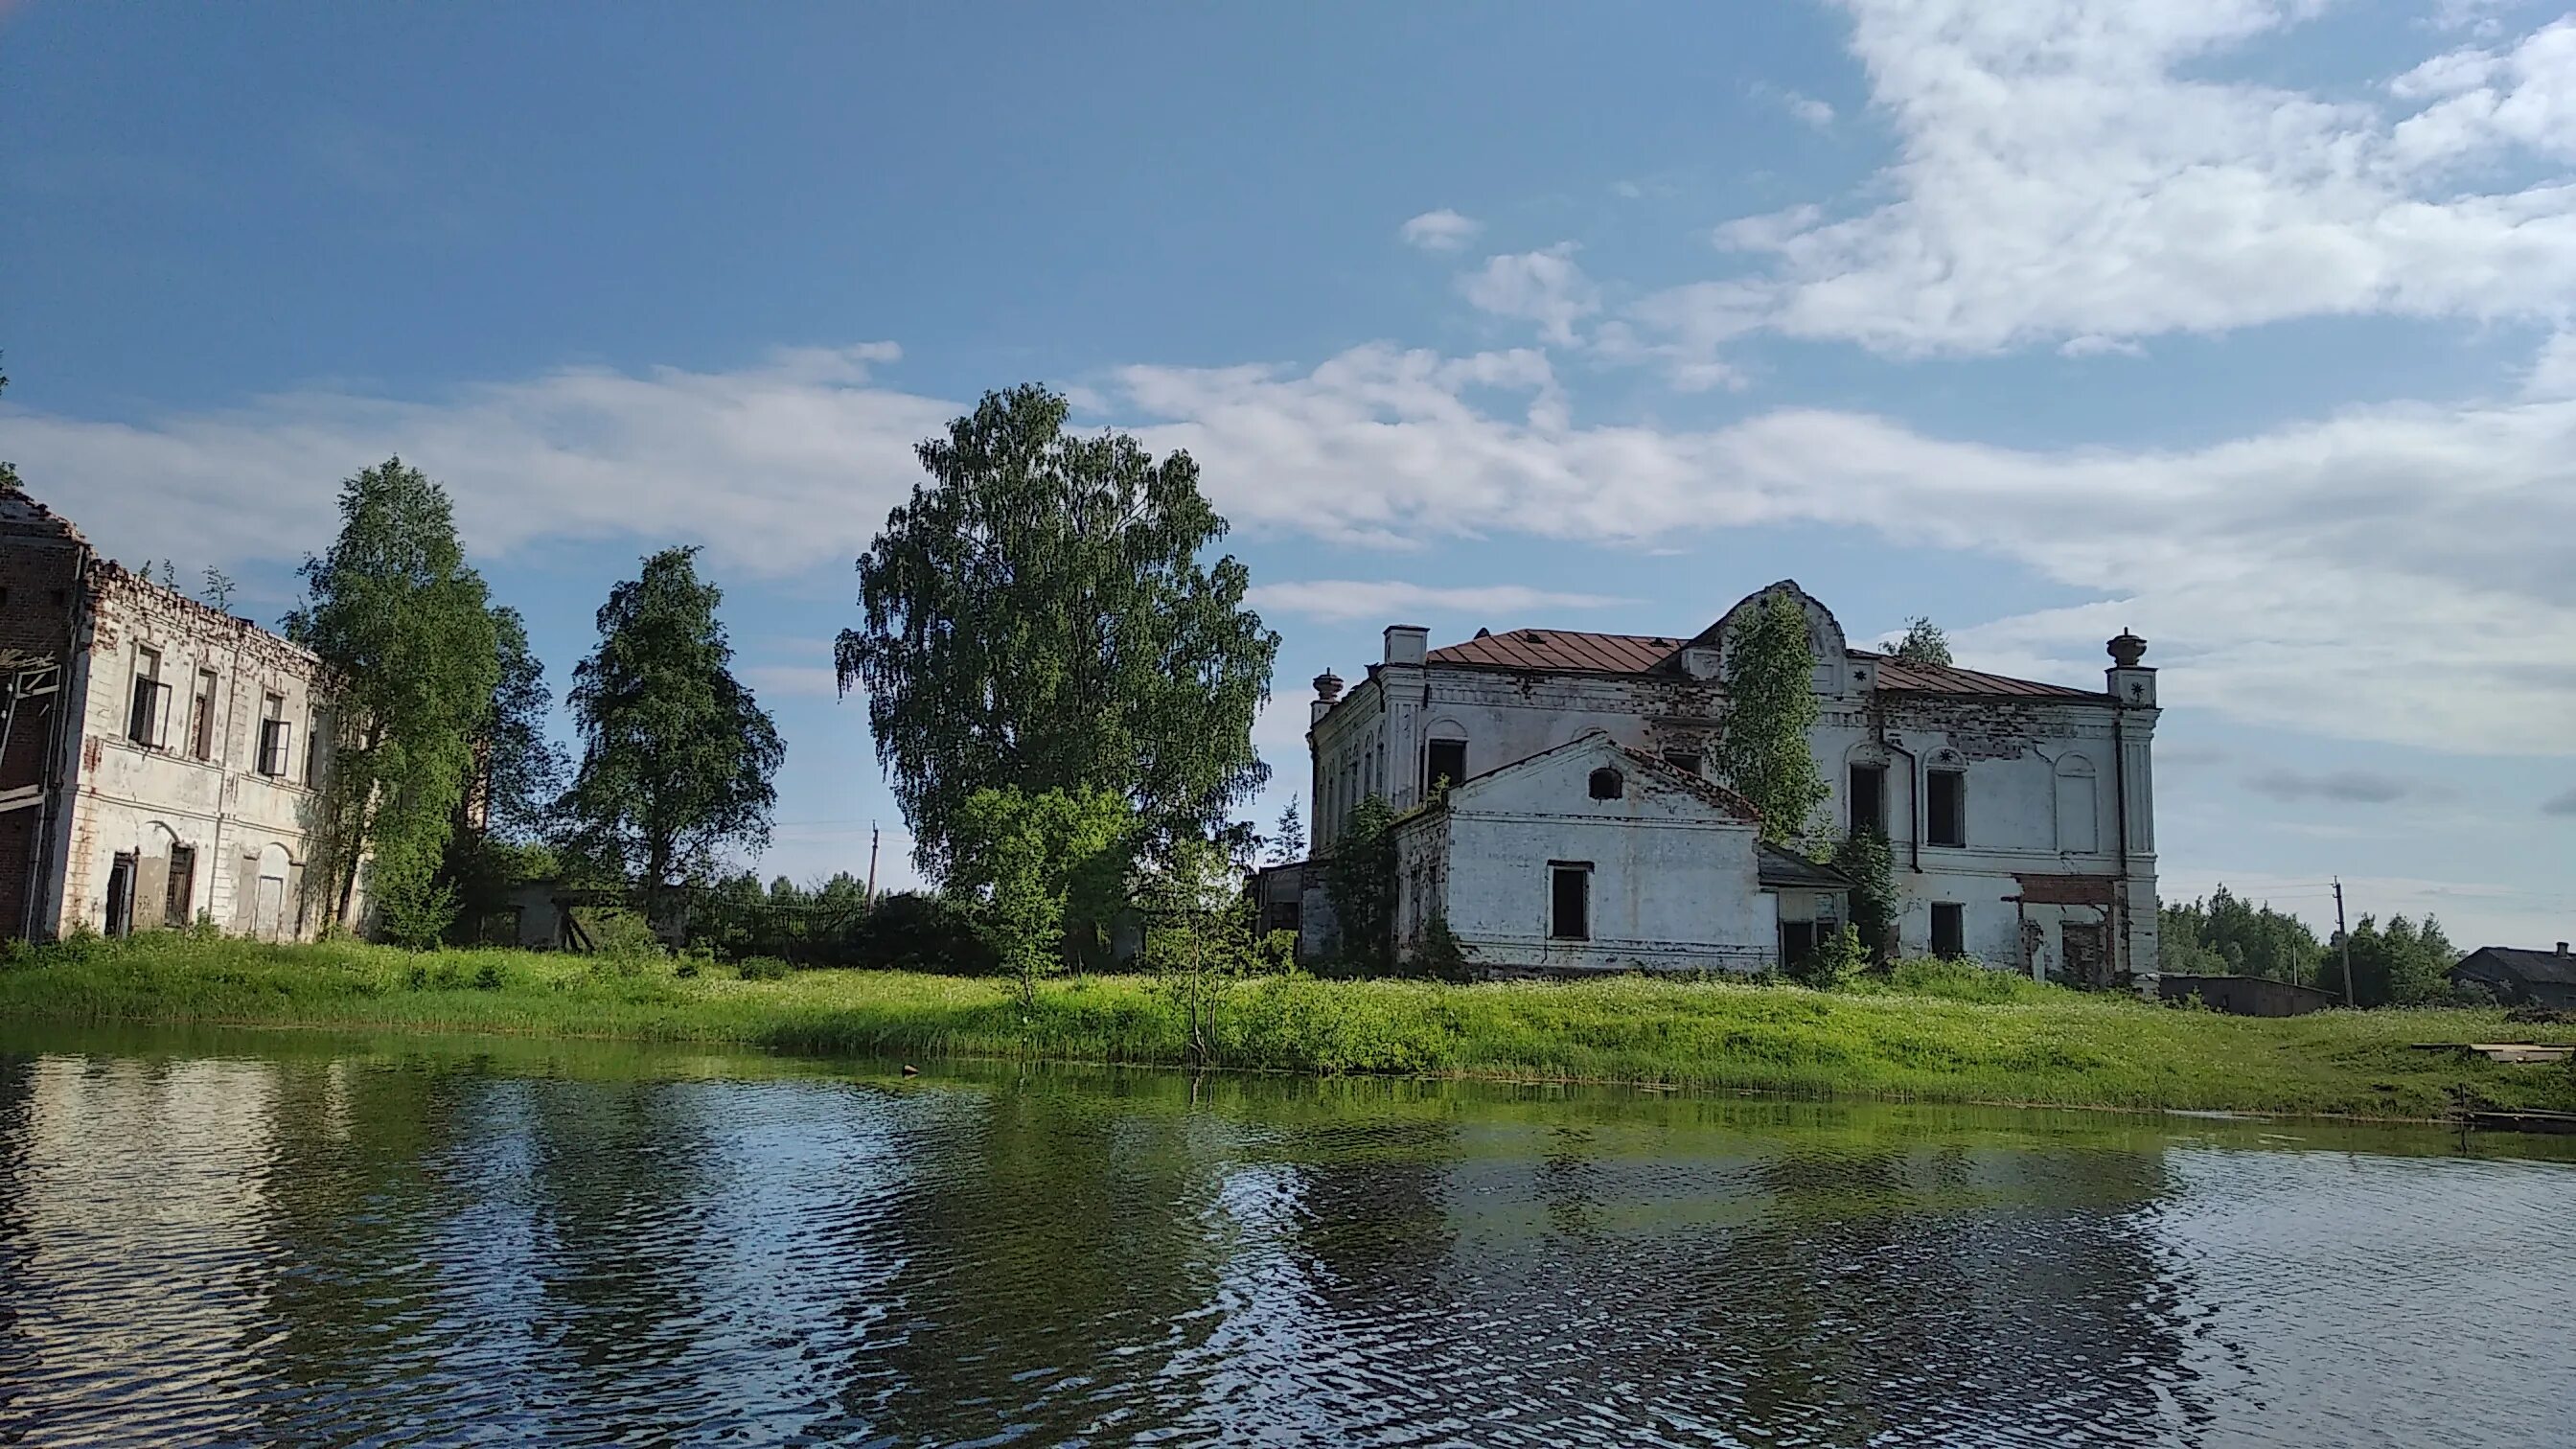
{"points": [[775, 467], [1808, 110], [2073, 171], [1545, 287], [1440, 231], [2390, 572], [1342, 600]]}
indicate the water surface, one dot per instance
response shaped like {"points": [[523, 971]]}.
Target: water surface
{"points": [[218, 1238]]}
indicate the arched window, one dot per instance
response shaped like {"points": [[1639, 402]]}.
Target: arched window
{"points": [[2079, 814], [1607, 784]]}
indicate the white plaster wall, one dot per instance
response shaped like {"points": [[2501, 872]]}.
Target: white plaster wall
{"points": [[1673, 880], [144, 798]]}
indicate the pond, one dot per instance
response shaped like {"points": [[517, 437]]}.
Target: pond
{"points": [[212, 1238]]}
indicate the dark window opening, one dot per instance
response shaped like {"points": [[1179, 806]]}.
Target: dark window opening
{"points": [[1606, 784], [1686, 761], [178, 900], [1797, 941], [272, 747], [1945, 808], [1949, 929], [1570, 914], [201, 739], [120, 894], [1444, 763], [1869, 798]]}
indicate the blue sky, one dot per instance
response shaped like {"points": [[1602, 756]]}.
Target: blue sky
{"points": [[2243, 323]]}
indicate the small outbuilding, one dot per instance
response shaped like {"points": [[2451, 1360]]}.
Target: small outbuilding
{"points": [[2245, 995], [2520, 975], [1594, 857]]}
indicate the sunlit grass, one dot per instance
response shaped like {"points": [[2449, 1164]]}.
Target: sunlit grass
{"points": [[1930, 1034]]}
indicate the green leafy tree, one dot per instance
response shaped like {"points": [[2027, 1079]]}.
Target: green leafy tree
{"points": [[1288, 838], [1037, 618], [217, 588], [407, 644], [1038, 864], [1864, 856], [2226, 935], [517, 776], [1199, 938], [1924, 643], [2399, 964], [1770, 706], [1360, 881], [676, 753]]}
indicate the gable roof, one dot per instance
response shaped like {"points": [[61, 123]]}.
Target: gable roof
{"points": [[1567, 651], [1708, 791], [2527, 963], [1781, 866]]}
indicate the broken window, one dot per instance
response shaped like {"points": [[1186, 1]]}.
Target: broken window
{"points": [[1949, 929], [313, 753], [120, 894], [1797, 941], [1686, 761], [1444, 763], [1868, 794], [149, 716], [1606, 784], [179, 900], [274, 733], [1570, 904], [1945, 808], [201, 731]]}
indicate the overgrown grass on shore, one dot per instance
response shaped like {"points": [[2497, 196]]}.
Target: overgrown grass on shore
{"points": [[1930, 1035]]}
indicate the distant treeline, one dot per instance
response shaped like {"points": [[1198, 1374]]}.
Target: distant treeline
{"points": [[2402, 963]]}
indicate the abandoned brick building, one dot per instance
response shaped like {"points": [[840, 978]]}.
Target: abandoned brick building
{"points": [[157, 760], [2020, 815]]}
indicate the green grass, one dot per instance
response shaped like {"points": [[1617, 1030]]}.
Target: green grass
{"points": [[1931, 1034]]}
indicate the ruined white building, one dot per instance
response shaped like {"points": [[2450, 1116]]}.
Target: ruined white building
{"points": [[157, 760], [2020, 814]]}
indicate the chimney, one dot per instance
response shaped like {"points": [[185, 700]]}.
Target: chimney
{"points": [[1328, 688], [2562, 948], [1406, 643]]}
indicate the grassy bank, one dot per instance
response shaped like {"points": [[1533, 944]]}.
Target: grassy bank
{"points": [[1934, 1037]]}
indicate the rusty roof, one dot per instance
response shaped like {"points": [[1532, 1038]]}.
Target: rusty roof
{"points": [[1569, 651], [1942, 679], [1559, 651]]}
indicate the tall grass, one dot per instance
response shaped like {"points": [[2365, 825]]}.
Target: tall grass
{"points": [[1929, 1033]]}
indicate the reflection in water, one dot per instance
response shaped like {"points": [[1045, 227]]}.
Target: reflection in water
{"points": [[291, 1242]]}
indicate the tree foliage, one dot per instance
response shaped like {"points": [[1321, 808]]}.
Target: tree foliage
{"points": [[1288, 838], [2399, 964], [1200, 938], [676, 753], [407, 646], [1762, 749], [1036, 618], [2226, 935], [1924, 643], [1360, 881], [1865, 857], [1039, 864]]}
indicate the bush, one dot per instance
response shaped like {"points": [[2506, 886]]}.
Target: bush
{"points": [[765, 968], [487, 977], [1835, 960], [922, 931]]}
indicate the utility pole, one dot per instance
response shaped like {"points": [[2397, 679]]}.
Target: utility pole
{"points": [[2344, 936], [871, 901]]}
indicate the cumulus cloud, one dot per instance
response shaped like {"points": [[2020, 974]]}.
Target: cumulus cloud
{"points": [[2345, 787], [2077, 171], [1342, 600], [1440, 231], [775, 467], [2403, 548], [1545, 287]]}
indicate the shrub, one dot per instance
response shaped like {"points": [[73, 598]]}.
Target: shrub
{"points": [[487, 977], [1835, 960], [764, 968]]}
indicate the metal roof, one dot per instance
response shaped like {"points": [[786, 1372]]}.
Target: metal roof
{"points": [[2528, 964], [1568, 651], [1780, 866], [1560, 650]]}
